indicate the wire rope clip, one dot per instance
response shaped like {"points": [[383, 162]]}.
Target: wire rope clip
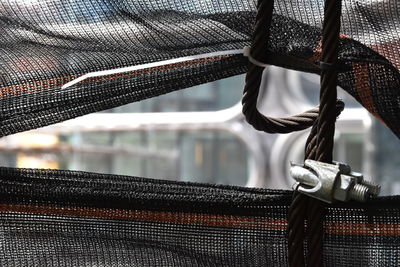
{"points": [[330, 182]]}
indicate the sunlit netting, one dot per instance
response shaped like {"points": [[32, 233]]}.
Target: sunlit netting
{"points": [[63, 218], [46, 44]]}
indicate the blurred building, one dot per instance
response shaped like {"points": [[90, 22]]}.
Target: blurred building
{"points": [[198, 134]]}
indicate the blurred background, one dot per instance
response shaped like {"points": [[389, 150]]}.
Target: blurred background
{"points": [[199, 134]]}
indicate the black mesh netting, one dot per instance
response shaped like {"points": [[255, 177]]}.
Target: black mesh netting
{"points": [[58, 218], [61, 218], [46, 44]]}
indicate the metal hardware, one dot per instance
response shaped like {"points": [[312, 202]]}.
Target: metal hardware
{"points": [[330, 182]]}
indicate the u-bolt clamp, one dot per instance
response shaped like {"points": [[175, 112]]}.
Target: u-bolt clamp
{"points": [[330, 182]]}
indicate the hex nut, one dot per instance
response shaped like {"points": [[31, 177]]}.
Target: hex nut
{"points": [[343, 186]]}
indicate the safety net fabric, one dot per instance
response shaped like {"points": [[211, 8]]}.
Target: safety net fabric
{"points": [[46, 44], [58, 218], [63, 218]]}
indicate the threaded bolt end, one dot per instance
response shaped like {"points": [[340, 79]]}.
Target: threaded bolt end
{"points": [[359, 192], [374, 189]]}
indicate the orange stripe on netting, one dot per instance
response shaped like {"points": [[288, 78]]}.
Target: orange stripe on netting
{"points": [[34, 86], [59, 81], [349, 228], [199, 219], [389, 50], [317, 53], [361, 80], [363, 88]]}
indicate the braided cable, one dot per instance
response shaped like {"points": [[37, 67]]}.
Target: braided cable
{"points": [[320, 142], [298, 210], [319, 147], [296, 229], [329, 77], [253, 81], [325, 125]]}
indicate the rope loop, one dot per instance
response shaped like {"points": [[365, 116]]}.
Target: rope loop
{"points": [[257, 55]]}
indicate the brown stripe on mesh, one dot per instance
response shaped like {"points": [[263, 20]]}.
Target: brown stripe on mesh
{"points": [[208, 220], [369, 229], [361, 80], [213, 220], [363, 87], [389, 50], [318, 49], [317, 53], [59, 81]]}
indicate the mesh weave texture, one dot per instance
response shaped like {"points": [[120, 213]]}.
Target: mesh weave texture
{"points": [[46, 44], [60, 218]]}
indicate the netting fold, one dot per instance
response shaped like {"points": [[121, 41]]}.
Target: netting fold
{"points": [[62, 218], [46, 44]]}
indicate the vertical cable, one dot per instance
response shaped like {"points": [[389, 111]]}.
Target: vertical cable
{"points": [[319, 147]]}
